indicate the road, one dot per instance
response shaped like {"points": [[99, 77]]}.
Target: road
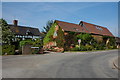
{"points": [[61, 65]]}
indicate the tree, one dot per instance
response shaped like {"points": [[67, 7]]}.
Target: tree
{"points": [[48, 26], [109, 41], [7, 35], [86, 38]]}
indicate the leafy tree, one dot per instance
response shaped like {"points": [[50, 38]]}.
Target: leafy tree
{"points": [[85, 38], [7, 35], [111, 42], [38, 43], [48, 26]]}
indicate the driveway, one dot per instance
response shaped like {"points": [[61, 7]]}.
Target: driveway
{"points": [[61, 65]]}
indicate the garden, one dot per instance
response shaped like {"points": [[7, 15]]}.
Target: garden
{"points": [[88, 42]]}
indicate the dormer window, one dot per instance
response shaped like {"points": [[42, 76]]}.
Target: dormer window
{"points": [[76, 29], [55, 34], [99, 28], [28, 32]]}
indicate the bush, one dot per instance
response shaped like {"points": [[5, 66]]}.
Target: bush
{"points": [[24, 42], [89, 47], [34, 43], [85, 38], [100, 47], [37, 43], [75, 49], [9, 49], [35, 51], [112, 47], [83, 48]]}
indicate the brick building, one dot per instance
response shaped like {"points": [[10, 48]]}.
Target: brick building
{"points": [[83, 27]]}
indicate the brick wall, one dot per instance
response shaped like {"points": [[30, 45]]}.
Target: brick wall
{"points": [[98, 37]]}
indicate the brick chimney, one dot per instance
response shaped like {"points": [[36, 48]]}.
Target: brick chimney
{"points": [[15, 22]]}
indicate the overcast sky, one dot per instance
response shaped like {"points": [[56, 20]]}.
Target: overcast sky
{"points": [[36, 14]]}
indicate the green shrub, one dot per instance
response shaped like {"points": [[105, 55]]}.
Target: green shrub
{"points": [[111, 42], [35, 51], [9, 49], [37, 43], [85, 38], [112, 47], [99, 47], [75, 49], [83, 48], [24, 42], [89, 47]]}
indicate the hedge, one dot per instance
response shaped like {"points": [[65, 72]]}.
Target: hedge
{"points": [[9, 49], [24, 42]]}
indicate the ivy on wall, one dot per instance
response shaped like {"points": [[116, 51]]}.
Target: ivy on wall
{"points": [[60, 38], [70, 39], [66, 41], [49, 35]]}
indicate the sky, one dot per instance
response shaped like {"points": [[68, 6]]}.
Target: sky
{"points": [[60, 0], [36, 14]]}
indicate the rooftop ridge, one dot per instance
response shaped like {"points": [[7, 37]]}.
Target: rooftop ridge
{"points": [[22, 26], [68, 22], [94, 24]]}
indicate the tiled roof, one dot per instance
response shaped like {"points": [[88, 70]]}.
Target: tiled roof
{"points": [[21, 30], [86, 28], [70, 26], [95, 29]]}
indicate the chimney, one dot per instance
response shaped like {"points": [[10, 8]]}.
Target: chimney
{"points": [[15, 22]]}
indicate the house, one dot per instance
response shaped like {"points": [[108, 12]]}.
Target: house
{"points": [[65, 27], [96, 30], [24, 32]]}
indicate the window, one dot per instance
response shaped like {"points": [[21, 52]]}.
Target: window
{"points": [[99, 28], [28, 32], [55, 33], [76, 29]]}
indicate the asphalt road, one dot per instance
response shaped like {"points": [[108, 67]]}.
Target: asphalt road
{"points": [[61, 65]]}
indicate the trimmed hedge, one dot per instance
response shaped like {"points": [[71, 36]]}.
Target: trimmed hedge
{"points": [[9, 49], [24, 42]]}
